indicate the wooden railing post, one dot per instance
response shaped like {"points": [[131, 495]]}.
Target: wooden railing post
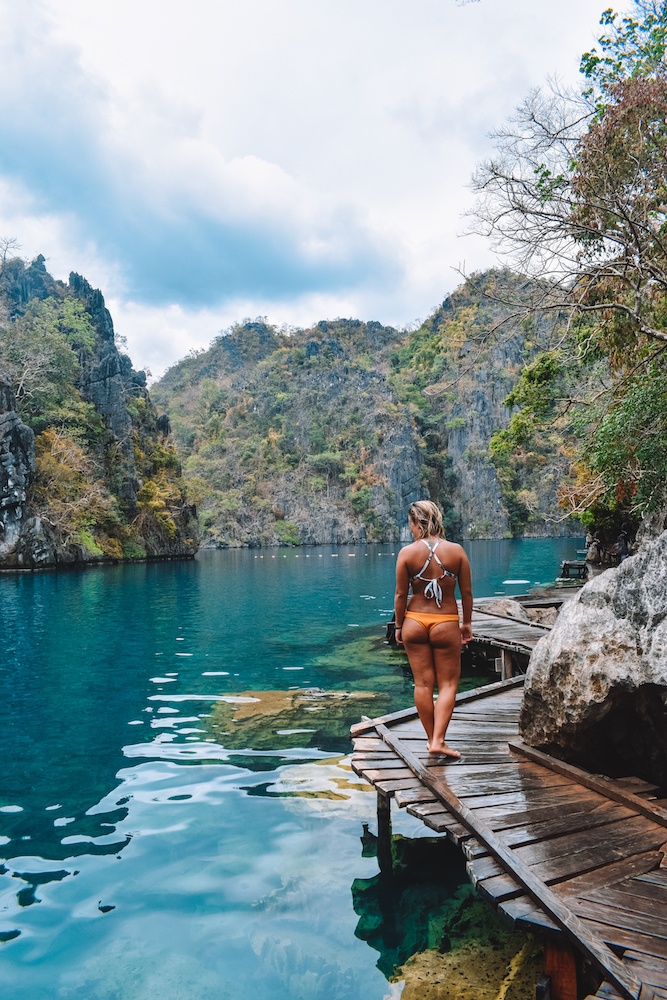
{"points": [[385, 859], [560, 965]]}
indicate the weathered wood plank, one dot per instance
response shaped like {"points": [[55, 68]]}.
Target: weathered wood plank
{"points": [[532, 798], [640, 905], [596, 782], [517, 836], [375, 774], [602, 913], [611, 874], [390, 762], [462, 698], [529, 916], [653, 894], [409, 796], [556, 910], [658, 877], [537, 813], [391, 785], [622, 835], [552, 870]]}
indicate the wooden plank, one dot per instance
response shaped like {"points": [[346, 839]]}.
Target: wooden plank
{"points": [[365, 743], [648, 961], [375, 774], [413, 795], [553, 905], [607, 992], [657, 877], [373, 762], [622, 835], [597, 783], [391, 785], [637, 785], [537, 813], [533, 797], [613, 916], [552, 870], [468, 782], [462, 698], [642, 890], [442, 822], [611, 873], [517, 836], [530, 917], [556, 869], [619, 937], [640, 905]]}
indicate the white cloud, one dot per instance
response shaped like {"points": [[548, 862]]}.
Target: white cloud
{"points": [[277, 157]]}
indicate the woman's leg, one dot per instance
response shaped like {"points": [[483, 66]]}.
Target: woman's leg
{"points": [[420, 655], [445, 641]]}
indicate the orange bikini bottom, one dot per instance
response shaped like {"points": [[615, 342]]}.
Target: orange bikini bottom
{"points": [[427, 620]]}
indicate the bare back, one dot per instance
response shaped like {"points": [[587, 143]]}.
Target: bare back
{"points": [[451, 566]]}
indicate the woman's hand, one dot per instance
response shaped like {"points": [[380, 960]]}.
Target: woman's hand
{"points": [[466, 633], [398, 637]]}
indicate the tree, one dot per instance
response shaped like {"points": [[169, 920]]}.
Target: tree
{"points": [[577, 197]]}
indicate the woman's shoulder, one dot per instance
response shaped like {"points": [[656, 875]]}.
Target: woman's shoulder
{"points": [[454, 550]]}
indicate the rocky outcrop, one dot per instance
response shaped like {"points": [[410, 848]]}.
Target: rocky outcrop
{"points": [[106, 375], [26, 542], [93, 483], [596, 688], [17, 465]]}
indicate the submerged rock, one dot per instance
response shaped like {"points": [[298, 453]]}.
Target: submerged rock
{"points": [[596, 688], [267, 720], [478, 957]]}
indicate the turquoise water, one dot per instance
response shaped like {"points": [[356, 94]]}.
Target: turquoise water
{"points": [[169, 828]]}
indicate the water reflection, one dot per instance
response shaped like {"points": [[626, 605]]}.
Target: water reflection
{"points": [[404, 914], [160, 839]]}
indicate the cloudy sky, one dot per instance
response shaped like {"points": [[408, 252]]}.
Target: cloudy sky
{"points": [[296, 159]]}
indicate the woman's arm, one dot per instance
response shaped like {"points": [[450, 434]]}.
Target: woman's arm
{"points": [[465, 587], [401, 595]]}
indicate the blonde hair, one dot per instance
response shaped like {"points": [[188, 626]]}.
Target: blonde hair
{"points": [[426, 516]]}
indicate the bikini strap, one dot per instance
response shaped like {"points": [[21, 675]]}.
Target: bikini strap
{"points": [[433, 588]]}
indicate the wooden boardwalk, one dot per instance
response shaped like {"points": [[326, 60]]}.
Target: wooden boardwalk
{"points": [[573, 856], [505, 633]]}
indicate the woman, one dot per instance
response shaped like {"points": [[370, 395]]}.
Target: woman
{"points": [[428, 626]]}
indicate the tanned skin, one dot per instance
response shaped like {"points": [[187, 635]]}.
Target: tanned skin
{"points": [[435, 656]]}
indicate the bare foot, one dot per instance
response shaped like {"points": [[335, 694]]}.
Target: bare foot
{"points": [[444, 751]]}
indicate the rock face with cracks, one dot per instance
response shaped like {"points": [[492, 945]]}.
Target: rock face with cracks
{"points": [[596, 688]]}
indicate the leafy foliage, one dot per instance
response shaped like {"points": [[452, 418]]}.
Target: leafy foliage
{"points": [[279, 429], [578, 192], [86, 478]]}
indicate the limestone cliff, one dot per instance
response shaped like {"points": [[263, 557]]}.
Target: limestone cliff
{"points": [[295, 438], [328, 434], [87, 468], [457, 369], [17, 465]]}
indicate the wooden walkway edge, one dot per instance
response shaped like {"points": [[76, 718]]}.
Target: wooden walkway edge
{"points": [[573, 855]]}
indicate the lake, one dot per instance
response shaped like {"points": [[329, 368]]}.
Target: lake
{"points": [[177, 814]]}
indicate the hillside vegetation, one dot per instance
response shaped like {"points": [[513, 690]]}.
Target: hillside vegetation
{"points": [[102, 477], [328, 434]]}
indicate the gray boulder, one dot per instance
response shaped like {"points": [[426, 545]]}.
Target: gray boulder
{"points": [[596, 687]]}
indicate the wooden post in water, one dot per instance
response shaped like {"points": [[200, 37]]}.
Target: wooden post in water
{"points": [[385, 860], [560, 965], [504, 664]]}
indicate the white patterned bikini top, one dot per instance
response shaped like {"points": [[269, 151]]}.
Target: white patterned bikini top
{"points": [[432, 588]]}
